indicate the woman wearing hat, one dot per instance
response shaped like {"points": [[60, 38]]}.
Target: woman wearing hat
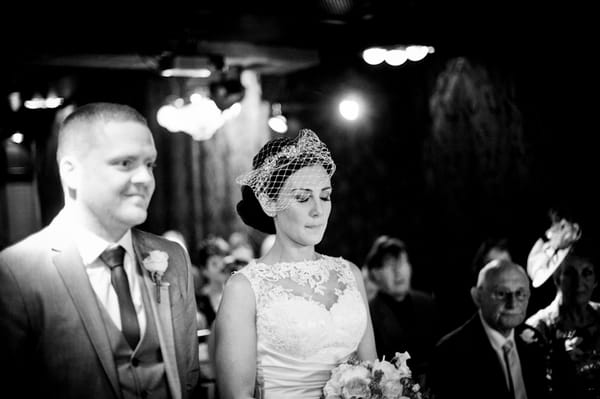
{"points": [[569, 327]]}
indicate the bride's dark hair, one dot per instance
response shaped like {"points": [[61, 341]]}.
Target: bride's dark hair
{"points": [[252, 213], [249, 208]]}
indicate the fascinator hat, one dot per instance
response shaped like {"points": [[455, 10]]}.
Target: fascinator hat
{"points": [[277, 160], [551, 250]]}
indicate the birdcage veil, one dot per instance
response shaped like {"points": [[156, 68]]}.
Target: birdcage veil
{"points": [[276, 163]]}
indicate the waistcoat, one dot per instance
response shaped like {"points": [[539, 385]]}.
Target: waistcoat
{"points": [[141, 371]]}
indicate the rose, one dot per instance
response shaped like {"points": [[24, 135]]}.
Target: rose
{"points": [[348, 381], [390, 372], [356, 388], [156, 263], [392, 389], [400, 360], [389, 382], [355, 383]]}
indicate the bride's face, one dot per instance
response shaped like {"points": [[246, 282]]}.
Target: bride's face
{"points": [[304, 221]]}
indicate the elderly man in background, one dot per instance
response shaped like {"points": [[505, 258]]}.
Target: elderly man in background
{"points": [[486, 357]]}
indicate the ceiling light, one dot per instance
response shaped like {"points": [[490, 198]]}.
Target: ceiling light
{"points": [[277, 121], [417, 53], [374, 55], [17, 137], [349, 108], [396, 57], [189, 66]]}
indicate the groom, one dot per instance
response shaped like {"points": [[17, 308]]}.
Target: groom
{"points": [[91, 307]]}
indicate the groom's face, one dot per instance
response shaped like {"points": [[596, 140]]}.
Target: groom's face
{"points": [[117, 180]]}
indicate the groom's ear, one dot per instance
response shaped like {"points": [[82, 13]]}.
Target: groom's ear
{"points": [[70, 173]]}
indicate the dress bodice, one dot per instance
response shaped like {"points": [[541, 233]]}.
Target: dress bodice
{"points": [[310, 316]]}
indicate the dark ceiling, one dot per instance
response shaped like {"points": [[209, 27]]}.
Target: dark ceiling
{"points": [[274, 37]]}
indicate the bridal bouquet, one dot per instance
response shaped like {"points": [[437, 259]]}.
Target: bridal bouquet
{"points": [[380, 379]]}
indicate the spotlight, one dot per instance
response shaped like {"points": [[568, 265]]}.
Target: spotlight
{"points": [[350, 108], [277, 121]]}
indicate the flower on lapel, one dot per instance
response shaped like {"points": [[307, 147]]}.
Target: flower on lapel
{"points": [[529, 336], [156, 263]]}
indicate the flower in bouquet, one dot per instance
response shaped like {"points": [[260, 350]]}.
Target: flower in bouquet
{"points": [[380, 379], [349, 380]]}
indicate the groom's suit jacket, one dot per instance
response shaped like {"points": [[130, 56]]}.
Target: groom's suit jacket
{"points": [[464, 365], [53, 341]]}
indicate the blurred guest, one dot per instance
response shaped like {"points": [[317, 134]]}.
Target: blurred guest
{"points": [[404, 319], [233, 264], [91, 307], [240, 246], [490, 249], [212, 253], [485, 358], [569, 327]]}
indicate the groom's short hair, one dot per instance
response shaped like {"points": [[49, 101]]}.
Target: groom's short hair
{"points": [[79, 127]]}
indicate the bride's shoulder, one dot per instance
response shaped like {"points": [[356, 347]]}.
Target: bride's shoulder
{"points": [[256, 270], [338, 259], [343, 263], [238, 288]]}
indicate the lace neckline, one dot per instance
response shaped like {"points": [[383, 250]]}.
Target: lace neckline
{"points": [[317, 258], [323, 280], [310, 273]]}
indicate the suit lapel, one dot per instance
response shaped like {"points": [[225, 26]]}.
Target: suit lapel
{"points": [[162, 315], [72, 271]]}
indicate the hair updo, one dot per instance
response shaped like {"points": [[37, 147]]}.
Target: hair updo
{"points": [[249, 208]]}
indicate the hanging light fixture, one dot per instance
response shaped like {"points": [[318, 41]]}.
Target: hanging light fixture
{"points": [[189, 66], [277, 121], [199, 116], [396, 55]]}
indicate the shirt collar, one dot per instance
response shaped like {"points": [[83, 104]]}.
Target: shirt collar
{"points": [[496, 339], [90, 245]]}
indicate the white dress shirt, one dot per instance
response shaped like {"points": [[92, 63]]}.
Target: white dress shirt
{"points": [[497, 341], [90, 247]]}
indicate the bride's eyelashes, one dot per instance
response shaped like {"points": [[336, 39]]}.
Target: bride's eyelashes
{"points": [[305, 196]]}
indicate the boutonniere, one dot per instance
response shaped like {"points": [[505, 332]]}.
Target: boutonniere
{"points": [[156, 263], [529, 336]]}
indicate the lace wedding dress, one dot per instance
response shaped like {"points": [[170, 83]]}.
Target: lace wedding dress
{"points": [[310, 317]]}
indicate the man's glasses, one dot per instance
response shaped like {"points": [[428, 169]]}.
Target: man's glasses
{"points": [[503, 295]]}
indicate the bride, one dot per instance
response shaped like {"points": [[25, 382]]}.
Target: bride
{"points": [[287, 319]]}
